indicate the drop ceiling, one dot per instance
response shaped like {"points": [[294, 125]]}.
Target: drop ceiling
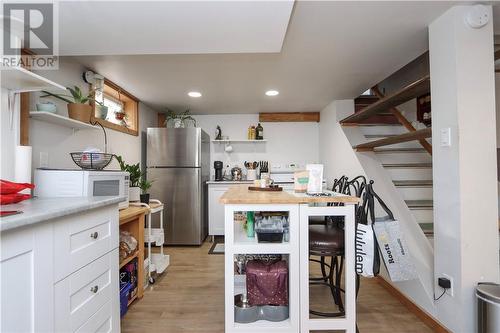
{"points": [[331, 50]]}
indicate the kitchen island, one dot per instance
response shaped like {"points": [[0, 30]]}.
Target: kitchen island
{"points": [[298, 208]]}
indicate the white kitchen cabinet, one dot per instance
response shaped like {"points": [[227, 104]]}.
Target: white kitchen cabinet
{"points": [[26, 280], [61, 275], [216, 209]]}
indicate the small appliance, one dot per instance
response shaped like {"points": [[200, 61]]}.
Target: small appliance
{"points": [[218, 166], [81, 183], [236, 173]]}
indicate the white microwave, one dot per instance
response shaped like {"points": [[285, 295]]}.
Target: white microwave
{"points": [[81, 183]]}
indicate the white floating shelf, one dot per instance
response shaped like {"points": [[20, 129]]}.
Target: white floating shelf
{"points": [[239, 141], [18, 79], [54, 118]]}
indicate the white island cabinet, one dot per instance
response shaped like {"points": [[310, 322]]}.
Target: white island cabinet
{"points": [[294, 251], [59, 266]]}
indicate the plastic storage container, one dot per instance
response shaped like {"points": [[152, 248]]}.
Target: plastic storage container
{"points": [[269, 229], [124, 293]]}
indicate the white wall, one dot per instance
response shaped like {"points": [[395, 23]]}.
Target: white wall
{"points": [[287, 142], [8, 136], [465, 191], [336, 152], [59, 141]]}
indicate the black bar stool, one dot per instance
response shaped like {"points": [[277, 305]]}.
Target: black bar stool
{"points": [[326, 240]]}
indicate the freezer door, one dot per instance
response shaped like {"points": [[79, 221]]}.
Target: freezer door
{"points": [[174, 147], [182, 192]]}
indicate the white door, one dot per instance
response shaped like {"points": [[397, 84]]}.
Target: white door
{"points": [[216, 210]]}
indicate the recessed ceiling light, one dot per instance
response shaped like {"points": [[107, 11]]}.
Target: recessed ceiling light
{"points": [[272, 92], [194, 94]]}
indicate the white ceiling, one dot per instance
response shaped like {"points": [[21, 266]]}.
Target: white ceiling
{"points": [[332, 50], [172, 27]]}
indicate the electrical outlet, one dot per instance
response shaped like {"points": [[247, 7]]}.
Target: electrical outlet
{"points": [[449, 292], [44, 159]]}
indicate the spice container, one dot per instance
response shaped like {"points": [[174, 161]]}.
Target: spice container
{"points": [[252, 133]]}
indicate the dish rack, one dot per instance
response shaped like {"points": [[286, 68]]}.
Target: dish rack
{"points": [[155, 262]]}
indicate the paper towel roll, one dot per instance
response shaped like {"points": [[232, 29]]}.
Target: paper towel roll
{"points": [[22, 165]]}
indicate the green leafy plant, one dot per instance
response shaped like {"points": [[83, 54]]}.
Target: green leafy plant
{"points": [[77, 96], [145, 185], [134, 171], [183, 116]]}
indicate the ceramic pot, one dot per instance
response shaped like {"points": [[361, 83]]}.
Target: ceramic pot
{"points": [[102, 112], [134, 193], [80, 112], [178, 123], [119, 115], [145, 198]]}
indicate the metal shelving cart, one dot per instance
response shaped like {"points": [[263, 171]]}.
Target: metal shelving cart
{"points": [[155, 262]]}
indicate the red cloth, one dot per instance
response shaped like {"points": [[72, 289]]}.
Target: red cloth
{"points": [[8, 192], [7, 187], [267, 284]]}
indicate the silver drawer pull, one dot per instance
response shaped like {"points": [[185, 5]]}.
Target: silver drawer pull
{"points": [[94, 289], [94, 235]]}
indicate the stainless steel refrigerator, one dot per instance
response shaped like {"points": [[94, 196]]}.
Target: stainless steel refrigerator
{"points": [[177, 161]]}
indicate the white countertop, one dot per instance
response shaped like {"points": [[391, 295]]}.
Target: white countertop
{"points": [[227, 182], [38, 210]]}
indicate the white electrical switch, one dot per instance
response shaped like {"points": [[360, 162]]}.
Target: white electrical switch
{"points": [[445, 137]]}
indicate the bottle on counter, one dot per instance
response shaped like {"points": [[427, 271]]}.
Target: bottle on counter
{"points": [[250, 224], [252, 133], [249, 133], [259, 132]]}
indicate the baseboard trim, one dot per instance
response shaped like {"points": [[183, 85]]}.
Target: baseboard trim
{"points": [[412, 307]]}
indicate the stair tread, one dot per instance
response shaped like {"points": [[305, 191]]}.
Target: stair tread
{"points": [[399, 150], [419, 203], [379, 124], [374, 136], [427, 228], [412, 183], [407, 165]]}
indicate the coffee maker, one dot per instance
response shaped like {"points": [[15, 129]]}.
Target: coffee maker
{"points": [[218, 165]]}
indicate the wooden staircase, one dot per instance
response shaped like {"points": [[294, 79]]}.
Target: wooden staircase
{"points": [[403, 150]]}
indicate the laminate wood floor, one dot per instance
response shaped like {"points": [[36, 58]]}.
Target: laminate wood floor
{"points": [[189, 297]]}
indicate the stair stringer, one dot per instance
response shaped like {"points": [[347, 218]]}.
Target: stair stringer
{"points": [[420, 291]]}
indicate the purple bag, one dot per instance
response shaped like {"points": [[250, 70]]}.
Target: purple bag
{"points": [[267, 283]]}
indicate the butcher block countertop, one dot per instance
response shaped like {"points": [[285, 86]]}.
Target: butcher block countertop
{"points": [[241, 195]]}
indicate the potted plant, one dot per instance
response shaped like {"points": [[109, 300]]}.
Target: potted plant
{"points": [[78, 103], [102, 110], [145, 185], [135, 175], [178, 120]]}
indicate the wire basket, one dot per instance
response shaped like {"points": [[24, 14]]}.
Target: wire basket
{"points": [[91, 161]]}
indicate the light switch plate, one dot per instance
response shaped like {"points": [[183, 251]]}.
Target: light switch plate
{"points": [[445, 137]]}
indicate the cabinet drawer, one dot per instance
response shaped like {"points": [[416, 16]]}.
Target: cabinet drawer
{"points": [[103, 321], [83, 239], [83, 293]]}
